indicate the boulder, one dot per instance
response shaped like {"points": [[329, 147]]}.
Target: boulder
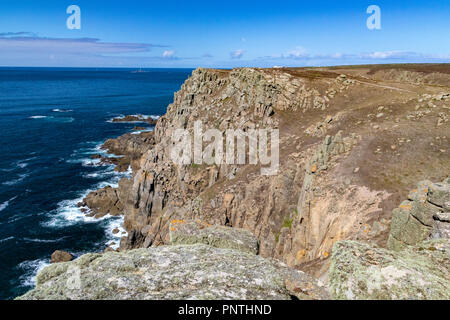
{"points": [[61, 256], [420, 217], [183, 271], [192, 232], [406, 229], [364, 271], [439, 193], [440, 230]]}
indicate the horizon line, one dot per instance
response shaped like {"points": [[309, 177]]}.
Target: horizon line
{"points": [[228, 68]]}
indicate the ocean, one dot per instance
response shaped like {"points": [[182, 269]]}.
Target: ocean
{"points": [[52, 120]]}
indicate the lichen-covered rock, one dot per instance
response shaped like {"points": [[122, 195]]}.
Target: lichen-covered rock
{"points": [[174, 272], [405, 228], [418, 218], [364, 271], [192, 232], [439, 193], [440, 230]]}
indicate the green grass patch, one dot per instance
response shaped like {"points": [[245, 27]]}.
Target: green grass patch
{"points": [[287, 223]]}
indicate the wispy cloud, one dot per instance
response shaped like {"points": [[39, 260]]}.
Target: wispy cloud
{"points": [[301, 54], [16, 34], [297, 53], [22, 41], [168, 54], [20, 48], [237, 54]]}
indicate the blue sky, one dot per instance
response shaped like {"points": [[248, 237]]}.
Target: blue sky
{"points": [[230, 33]]}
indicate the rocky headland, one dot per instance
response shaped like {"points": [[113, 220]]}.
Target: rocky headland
{"points": [[358, 209]]}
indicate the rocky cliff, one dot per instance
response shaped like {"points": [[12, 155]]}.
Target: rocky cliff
{"points": [[351, 147], [353, 142]]}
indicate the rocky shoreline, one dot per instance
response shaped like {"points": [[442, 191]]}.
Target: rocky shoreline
{"points": [[352, 147], [124, 152]]}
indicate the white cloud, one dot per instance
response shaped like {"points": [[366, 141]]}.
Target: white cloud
{"points": [[301, 54], [298, 52], [25, 41], [168, 54], [387, 54], [237, 54]]}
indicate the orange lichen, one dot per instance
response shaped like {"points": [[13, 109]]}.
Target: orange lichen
{"points": [[175, 222], [314, 168], [300, 254]]}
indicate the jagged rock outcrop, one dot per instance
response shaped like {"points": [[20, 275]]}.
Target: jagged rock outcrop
{"points": [[361, 271], [422, 216], [61, 256], [196, 271], [130, 147], [102, 202], [414, 267]]}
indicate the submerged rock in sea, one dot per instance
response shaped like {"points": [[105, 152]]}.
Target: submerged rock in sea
{"points": [[135, 118], [195, 271], [364, 271]]}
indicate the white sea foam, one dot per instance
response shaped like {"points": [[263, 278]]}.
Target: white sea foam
{"points": [[140, 131], [101, 174], [38, 117], [68, 212], [6, 203], [6, 239], [82, 155], [22, 164], [62, 110], [114, 238], [54, 119], [31, 269], [16, 181], [42, 240]]}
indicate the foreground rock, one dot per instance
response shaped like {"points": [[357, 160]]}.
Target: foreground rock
{"points": [[196, 271], [61, 256], [364, 271]]}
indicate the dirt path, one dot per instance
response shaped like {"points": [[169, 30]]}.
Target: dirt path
{"points": [[384, 86]]}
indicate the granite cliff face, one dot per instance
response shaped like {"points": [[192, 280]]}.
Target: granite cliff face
{"points": [[353, 142], [351, 147]]}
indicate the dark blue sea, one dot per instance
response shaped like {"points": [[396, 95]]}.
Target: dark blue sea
{"points": [[51, 122]]}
